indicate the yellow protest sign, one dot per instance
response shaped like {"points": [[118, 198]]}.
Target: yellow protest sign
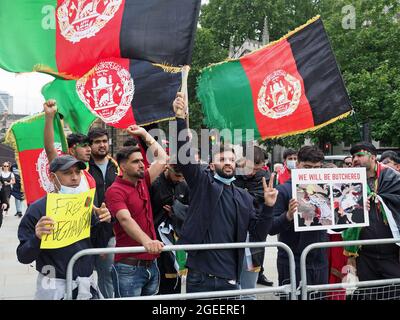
{"points": [[72, 215]]}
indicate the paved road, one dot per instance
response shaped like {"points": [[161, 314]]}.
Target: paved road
{"points": [[18, 281]]}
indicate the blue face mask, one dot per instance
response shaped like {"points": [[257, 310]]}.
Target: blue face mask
{"points": [[291, 164], [224, 180]]}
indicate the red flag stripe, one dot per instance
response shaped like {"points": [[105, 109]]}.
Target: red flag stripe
{"points": [[80, 30], [262, 69]]}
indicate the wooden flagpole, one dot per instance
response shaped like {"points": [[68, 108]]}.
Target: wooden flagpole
{"points": [[184, 89]]}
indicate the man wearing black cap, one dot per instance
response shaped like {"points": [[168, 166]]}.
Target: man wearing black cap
{"points": [[376, 261], [65, 174]]}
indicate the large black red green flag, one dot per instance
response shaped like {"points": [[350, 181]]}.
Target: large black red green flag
{"points": [[26, 137], [121, 92], [290, 86], [68, 37]]}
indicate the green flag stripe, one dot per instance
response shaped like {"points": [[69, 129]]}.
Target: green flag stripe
{"points": [[34, 140], [29, 133], [33, 23], [225, 93], [75, 113]]}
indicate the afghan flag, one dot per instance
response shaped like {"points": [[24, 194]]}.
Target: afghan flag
{"points": [[290, 86], [68, 37], [26, 136], [121, 92]]}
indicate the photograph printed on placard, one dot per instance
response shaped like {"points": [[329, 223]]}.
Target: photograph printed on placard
{"points": [[314, 205], [348, 203]]}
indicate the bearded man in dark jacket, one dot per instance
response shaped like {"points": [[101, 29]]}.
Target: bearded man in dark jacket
{"points": [[375, 262]]}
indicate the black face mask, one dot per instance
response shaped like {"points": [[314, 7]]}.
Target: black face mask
{"points": [[223, 175]]}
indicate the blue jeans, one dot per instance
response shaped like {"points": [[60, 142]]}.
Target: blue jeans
{"points": [[248, 280], [201, 282], [18, 205], [134, 281], [103, 265]]}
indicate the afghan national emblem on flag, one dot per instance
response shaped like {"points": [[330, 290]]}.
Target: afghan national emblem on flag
{"points": [[68, 37], [289, 86], [120, 92]]}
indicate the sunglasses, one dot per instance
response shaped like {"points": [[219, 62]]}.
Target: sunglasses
{"points": [[348, 163], [5, 166]]}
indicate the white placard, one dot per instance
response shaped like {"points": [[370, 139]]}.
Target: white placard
{"points": [[330, 198]]}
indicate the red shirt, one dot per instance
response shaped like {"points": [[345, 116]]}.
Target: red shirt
{"points": [[123, 194], [284, 175]]}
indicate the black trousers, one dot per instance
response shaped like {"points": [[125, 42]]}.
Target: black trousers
{"points": [[377, 268], [169, 285], [165, 264], [314, 276]]}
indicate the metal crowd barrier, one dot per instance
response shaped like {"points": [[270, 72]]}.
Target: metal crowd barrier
{"points": [[286, 289], [388, 287]]}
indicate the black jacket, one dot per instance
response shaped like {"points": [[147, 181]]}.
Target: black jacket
{"points": [[165, 192], [101, 183], [16, 191], [29, 246], [297, 241], [101, 187], [389, 190], [205, 194], [253, 185]]}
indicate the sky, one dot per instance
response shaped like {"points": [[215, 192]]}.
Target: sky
{"points": [[25, 89]]}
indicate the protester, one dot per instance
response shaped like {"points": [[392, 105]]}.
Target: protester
{"points": [[104, 170], [278, 167], [135, 274], [308, 157], [131, 142], [169, 200], [78, 145], [391, 159], [219, 212], [16, 191], [347, 162], [3, 204], [7, 179], [375, 262], [251, 180], [52, 263], [289, 163]]}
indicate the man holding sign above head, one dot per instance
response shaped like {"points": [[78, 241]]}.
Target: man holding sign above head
{"points": [[56, 227]]}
